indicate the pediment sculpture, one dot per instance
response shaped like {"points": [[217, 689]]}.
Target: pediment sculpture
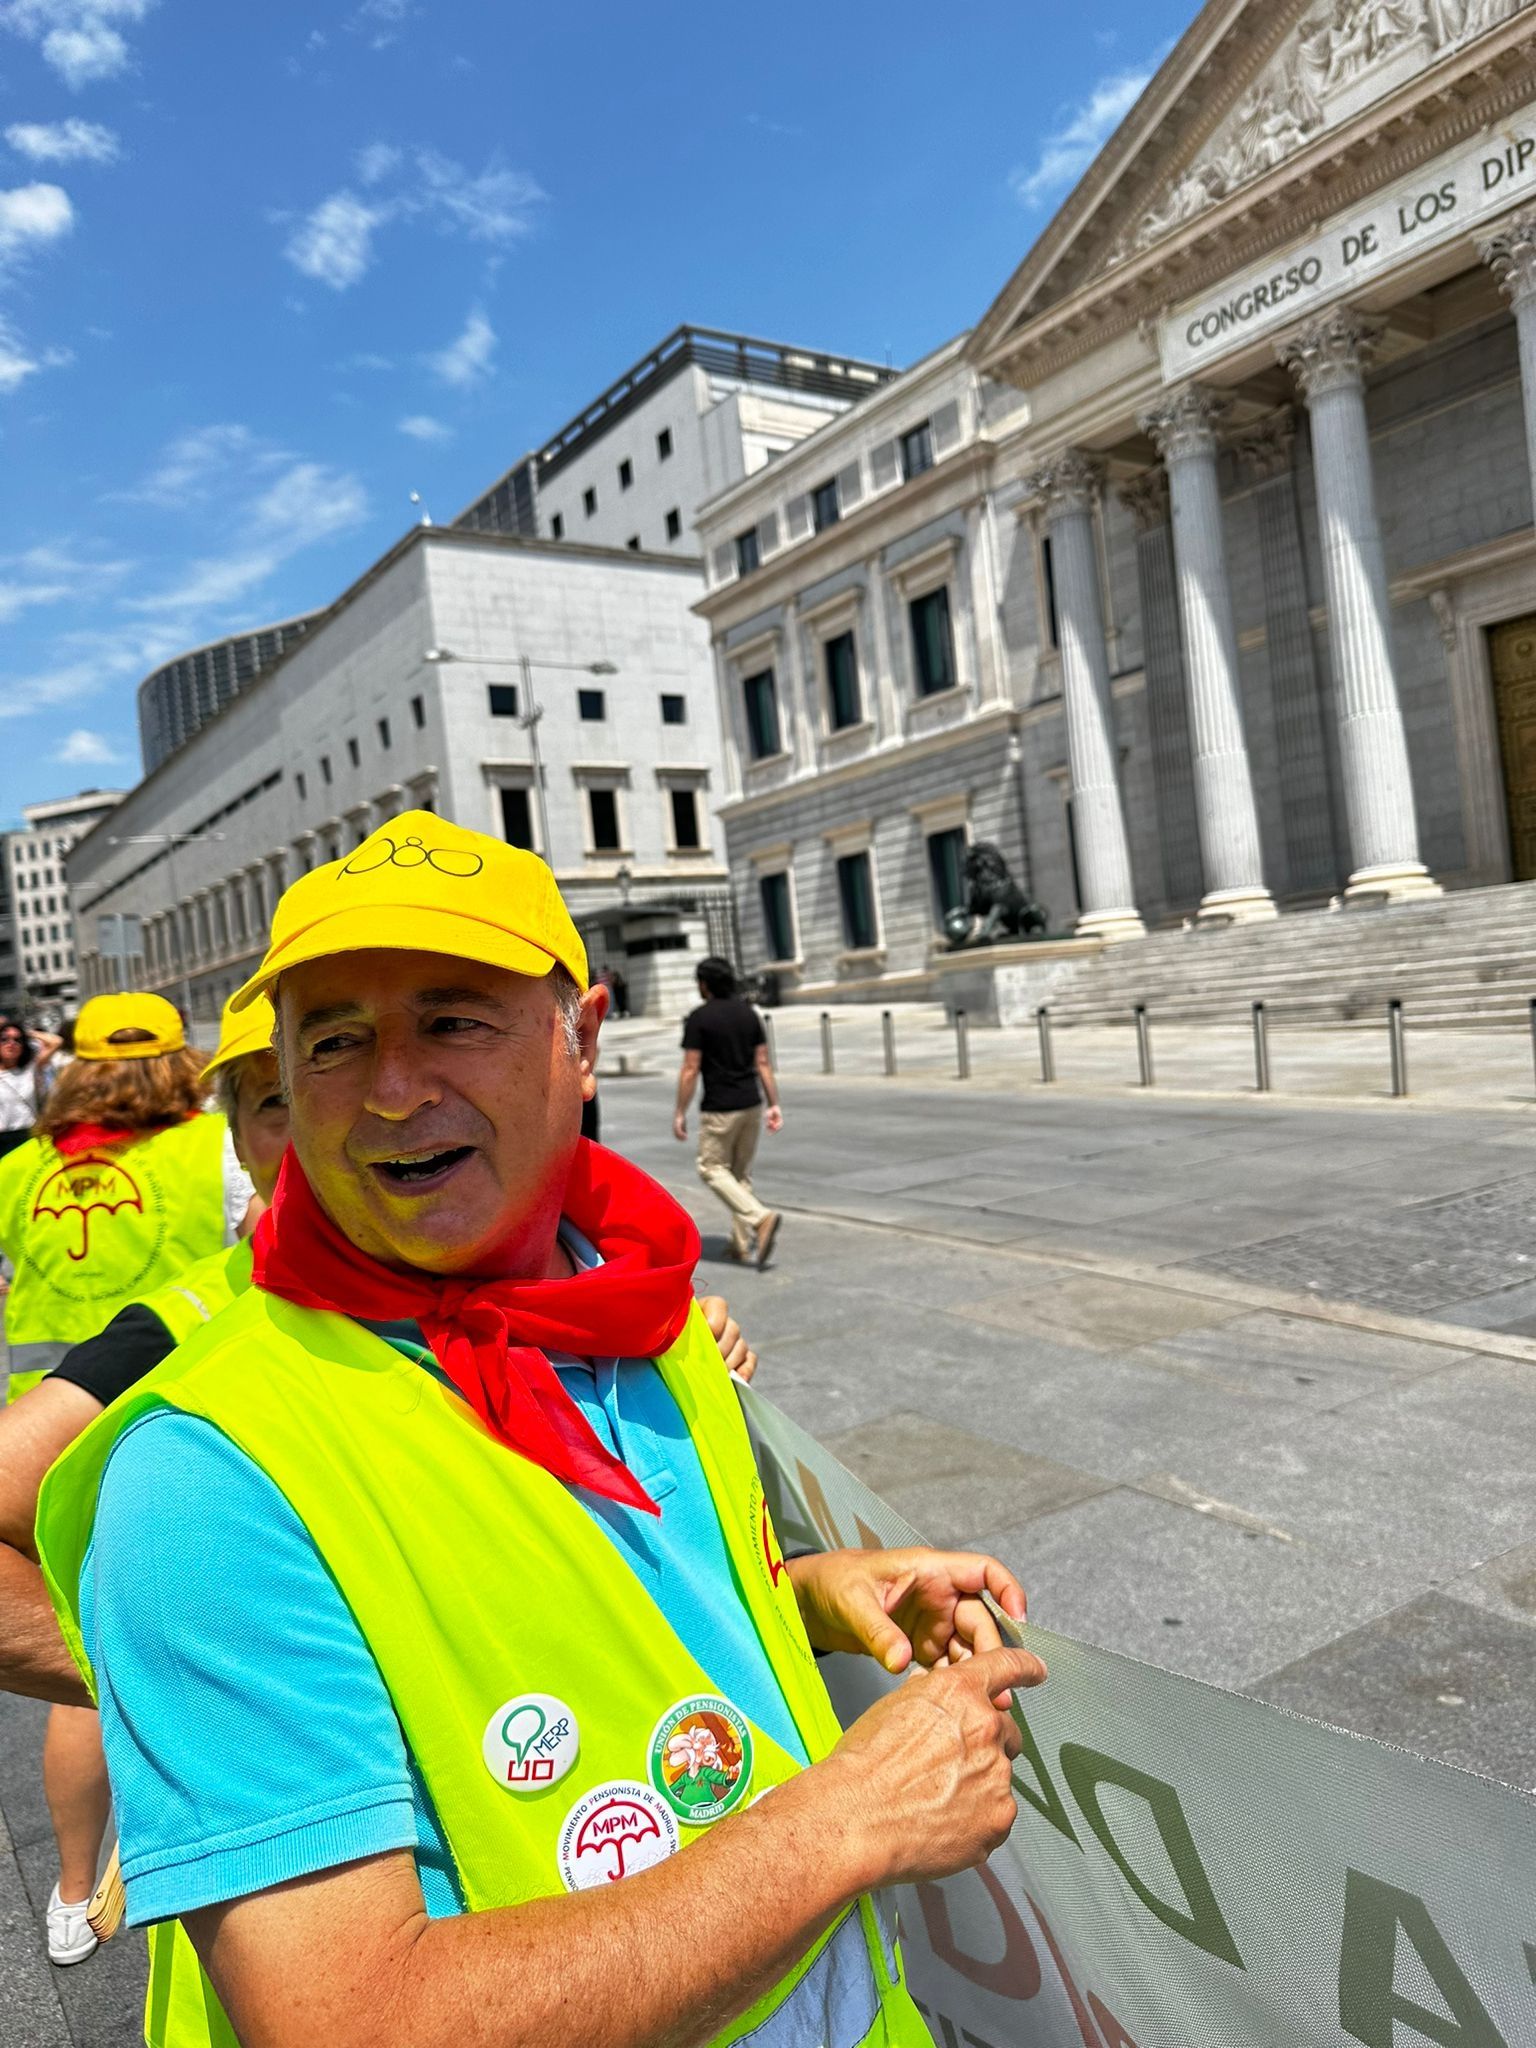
{"points": [[1334, 48]]}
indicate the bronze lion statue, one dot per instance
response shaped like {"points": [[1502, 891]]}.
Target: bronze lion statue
{"points": [[995, 906]]}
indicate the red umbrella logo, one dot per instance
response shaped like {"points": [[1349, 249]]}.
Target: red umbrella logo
{"points": [[84, 1188], [771, 1556], [619, 1825]]}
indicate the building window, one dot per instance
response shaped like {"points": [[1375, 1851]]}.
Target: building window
{"points": [[384, 734], [557, 526], [856, 894], [778, 916], [633, 543], [762, 714], [517, 817], [664, 444], [589, 502], [325, 769], [603, 809], [418, 713], [946, 871], [825, 511], [626, 474], [747, 557], [298, 783], [916, 451], [933, 646], [842, 658], [674, 710], [353, 754], [592, 705], [674, 523], [503, 699], [686, 836]]}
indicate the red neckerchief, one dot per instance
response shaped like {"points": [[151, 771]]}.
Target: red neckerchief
{"points": [[491, 1337], [77, 1138]]}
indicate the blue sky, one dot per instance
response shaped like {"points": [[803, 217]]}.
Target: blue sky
{"points": [[267, 268]]}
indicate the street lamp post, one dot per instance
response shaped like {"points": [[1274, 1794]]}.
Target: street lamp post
{"points": [[532, 713], [170, 841]]}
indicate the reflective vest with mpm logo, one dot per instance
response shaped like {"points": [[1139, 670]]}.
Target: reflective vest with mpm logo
{"points": [[481, 1585], [91, 1232]]}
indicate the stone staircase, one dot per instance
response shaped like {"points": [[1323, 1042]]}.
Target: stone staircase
{"points": [[1467, 958]]}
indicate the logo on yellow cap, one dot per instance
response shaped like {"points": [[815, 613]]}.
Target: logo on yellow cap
{"points": [[382, 852]]}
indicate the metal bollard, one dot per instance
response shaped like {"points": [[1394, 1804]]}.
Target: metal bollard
{"points": [[1144, 1045], [888, 1033], [771, 1036], [962, 1047], [1533, 1027], [1047, 1056], [826, 1041], [1261, 1049], [1399, 1047]]}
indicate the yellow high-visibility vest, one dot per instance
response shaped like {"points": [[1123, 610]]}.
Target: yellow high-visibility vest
{"points": [[561, 1728], [89, 1233]]}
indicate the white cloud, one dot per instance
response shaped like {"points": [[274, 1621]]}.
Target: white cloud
{"points": [[19, 360], [85, 749], [64, 142], [1069, 150], [192, 464], [308, 503], [78, 37], [468, 358], [335, 243], [422, 427], [494, 205], [376, 162], [32, 214]]}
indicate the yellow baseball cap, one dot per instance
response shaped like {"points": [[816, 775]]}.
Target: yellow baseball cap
{"points": [[241, 1033], [104, 1015], [422, 885]]}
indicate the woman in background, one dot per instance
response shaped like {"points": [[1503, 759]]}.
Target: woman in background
{"points": [[25, 1061]]}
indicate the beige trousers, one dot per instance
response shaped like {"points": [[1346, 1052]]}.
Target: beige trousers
{"points": [[727, 1146]]}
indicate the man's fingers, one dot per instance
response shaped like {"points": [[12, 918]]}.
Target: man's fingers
{"points": [[1005, 1589], [717, 1314], [996, 1672], [975, 1626], [747, 1367]]}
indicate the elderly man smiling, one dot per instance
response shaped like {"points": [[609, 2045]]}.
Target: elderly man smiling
{"points": [[430, 1589]]}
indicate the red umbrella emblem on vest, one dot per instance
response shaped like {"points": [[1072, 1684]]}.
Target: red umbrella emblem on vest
{"points": [[615, 1825], [84, 1188]]}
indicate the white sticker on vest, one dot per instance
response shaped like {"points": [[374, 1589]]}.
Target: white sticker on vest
{"points": [[614, 1831], [530, 1742]]}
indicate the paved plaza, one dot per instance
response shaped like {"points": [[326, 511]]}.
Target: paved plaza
{"points": [[1246, 1389]]}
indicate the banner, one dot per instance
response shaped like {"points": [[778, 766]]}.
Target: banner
{"points": [[1192, 1869]]}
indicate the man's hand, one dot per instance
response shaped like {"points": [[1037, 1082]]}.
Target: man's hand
{"points": [[726, 1331], [923, 1778], [680, 1127], [894, 1605], [774, 1119]]}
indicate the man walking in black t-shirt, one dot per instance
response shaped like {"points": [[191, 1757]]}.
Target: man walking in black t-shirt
{"points": [[724, 1041]]}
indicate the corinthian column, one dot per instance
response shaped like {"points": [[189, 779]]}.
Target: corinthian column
{"points": [[1184, 426], [1069, 489], [1328, 358], [1511, 255]]}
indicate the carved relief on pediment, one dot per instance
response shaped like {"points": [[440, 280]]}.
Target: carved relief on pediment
{"points": [[1328, 68]]}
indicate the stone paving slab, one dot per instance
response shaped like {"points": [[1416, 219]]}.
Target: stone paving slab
{"points": [[1438, 1676], [30, 2013]]}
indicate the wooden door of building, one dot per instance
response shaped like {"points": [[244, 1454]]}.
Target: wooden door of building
{"points": [[1512, 651]]}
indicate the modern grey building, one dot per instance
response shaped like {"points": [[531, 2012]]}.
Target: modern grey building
{"points": [[694, 416], [557, 695], [1233, 527], [182, 695], [41, 966]]}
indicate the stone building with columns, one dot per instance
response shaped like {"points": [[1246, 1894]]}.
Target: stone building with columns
{"points": [[1252, 456]]}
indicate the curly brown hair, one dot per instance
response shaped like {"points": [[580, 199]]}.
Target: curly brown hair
{"points": [[125, 1095]]}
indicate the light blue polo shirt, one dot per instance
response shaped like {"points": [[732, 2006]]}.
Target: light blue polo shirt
{"points": [[249, 1735]]}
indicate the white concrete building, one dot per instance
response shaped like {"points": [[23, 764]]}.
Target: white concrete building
{"points": [[445, 678], [43, 969], [687, 421]]}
